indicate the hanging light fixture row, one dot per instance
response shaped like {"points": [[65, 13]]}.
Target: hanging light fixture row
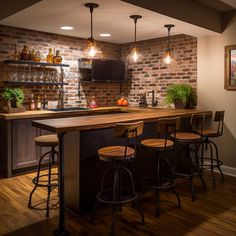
{"points": [[92, 51]]}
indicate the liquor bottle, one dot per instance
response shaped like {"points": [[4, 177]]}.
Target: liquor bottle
{"points": [[57, 59], [32, 103], [25, 53], [45, 102], [15, 55], [31, 55], [38, 104], [37, 57], [49, 57]]}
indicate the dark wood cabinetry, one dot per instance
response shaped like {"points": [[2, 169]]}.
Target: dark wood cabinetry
{"points": [[24, 151]]}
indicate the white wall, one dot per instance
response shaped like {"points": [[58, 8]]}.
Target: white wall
{"points": [[211, 92]]}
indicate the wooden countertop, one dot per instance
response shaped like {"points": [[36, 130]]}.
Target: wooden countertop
{"points": [[48, 113], [106, 121]]}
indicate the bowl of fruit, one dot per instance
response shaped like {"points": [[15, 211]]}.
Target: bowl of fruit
{"points": [[122, 101]]}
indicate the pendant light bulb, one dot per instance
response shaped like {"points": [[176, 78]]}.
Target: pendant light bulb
{"points": [[168, 58], [92, 51], [135, 54]]}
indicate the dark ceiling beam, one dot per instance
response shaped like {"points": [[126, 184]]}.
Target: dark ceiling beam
{"points": [[189, 11], [10, 7]]}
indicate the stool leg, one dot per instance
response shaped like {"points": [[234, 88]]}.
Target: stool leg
{"points": [[37, 177], [157, 191], [93, 212], [50, 159], [192, 189], [113, 221], [199, 170], [217, 160], [212, 166], [134, 195], [177, 196]]}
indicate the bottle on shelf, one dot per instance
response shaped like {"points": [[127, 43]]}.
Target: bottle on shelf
{"points": [[38, 105], [37, 57], [32, 103], [45, 102], [25, 53], [15, 55], [49, 57], [31, 55], [57, 59]]}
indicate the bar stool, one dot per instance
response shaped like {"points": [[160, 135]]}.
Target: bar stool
{"points": [[119, 194], [162, 144], [49, 180], [191, 142], [213, 133]]}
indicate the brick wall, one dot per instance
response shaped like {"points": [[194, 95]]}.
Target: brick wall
{"points": [[152, 74], [148, 75]]}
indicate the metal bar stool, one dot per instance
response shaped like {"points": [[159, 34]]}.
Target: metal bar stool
{"points": [[46, 180], [119, 194], [213, 162], [191, 142], [162, 181]]}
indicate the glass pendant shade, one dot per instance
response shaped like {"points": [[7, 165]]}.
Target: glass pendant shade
{"points": [[168, 58], [92, 51], [135, 55]]}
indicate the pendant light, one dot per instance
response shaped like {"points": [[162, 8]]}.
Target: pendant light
{"points": [[135, 55], [92, 51], [168, 58]]}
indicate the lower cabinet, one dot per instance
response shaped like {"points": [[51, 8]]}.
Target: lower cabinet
{"points": [[24, 151]]}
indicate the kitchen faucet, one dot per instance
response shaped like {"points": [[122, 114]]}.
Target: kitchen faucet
{"points": [[154, 100]]}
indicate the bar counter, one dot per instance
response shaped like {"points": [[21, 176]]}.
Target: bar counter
{"points": [[79, 139]]}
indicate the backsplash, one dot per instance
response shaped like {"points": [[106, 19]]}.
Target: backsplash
{"points": [[149, 75]]}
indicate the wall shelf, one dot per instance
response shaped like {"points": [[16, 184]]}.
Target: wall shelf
{"points": [[33, 63], [30, 83]]}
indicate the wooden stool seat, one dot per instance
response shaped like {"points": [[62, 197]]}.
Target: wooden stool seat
{"points": [[157, 143], [187, 137], [115, 153], [49, 140], [209, 132]]}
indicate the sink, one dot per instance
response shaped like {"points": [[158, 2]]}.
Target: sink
{"points": [[69, 109]]}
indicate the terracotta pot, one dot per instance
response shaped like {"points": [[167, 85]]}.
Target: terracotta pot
{"points": [[179, 104], [13, 103]]}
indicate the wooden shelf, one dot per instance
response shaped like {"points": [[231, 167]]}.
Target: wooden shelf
{"points": [[33, 63], [30, 83]]}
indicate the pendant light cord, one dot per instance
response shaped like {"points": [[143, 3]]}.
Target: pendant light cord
{"points": [[168, 39], [135, 29], [91, 22]]}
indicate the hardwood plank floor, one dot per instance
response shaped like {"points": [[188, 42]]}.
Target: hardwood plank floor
{"points": [[212, 213]]}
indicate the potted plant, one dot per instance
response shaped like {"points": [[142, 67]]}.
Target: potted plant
{"points": [[182, 95], [14, 97]]}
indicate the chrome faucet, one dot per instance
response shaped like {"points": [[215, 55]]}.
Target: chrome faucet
{"points": [[154, 100]]}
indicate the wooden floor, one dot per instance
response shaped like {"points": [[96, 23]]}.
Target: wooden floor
{"points": [[213, 213]]}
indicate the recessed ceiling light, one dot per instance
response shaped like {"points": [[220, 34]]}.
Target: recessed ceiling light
{"points": [[105, 35], [67, 28]]}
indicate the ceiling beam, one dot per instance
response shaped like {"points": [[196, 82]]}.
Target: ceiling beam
{"points": [[189, 11], [11, 7]]}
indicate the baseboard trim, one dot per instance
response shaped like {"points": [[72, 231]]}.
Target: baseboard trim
{"points": [[227, 170]]}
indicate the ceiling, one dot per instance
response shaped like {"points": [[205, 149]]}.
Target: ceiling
{"points": [[112, 16]]}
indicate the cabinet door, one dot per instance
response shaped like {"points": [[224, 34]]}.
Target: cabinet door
{"points": [[24, 151]]}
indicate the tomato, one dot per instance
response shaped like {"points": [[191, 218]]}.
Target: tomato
{"points": [[119, 102], [125, 102]]}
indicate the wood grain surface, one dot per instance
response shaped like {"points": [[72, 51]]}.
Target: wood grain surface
{"points": [[106, 121]]}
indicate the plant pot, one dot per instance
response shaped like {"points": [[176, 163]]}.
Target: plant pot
{"points": [[179, 104], [13, 103]]}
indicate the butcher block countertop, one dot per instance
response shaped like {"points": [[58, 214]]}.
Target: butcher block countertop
{"points": [[50, 114], [107, 121]]}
